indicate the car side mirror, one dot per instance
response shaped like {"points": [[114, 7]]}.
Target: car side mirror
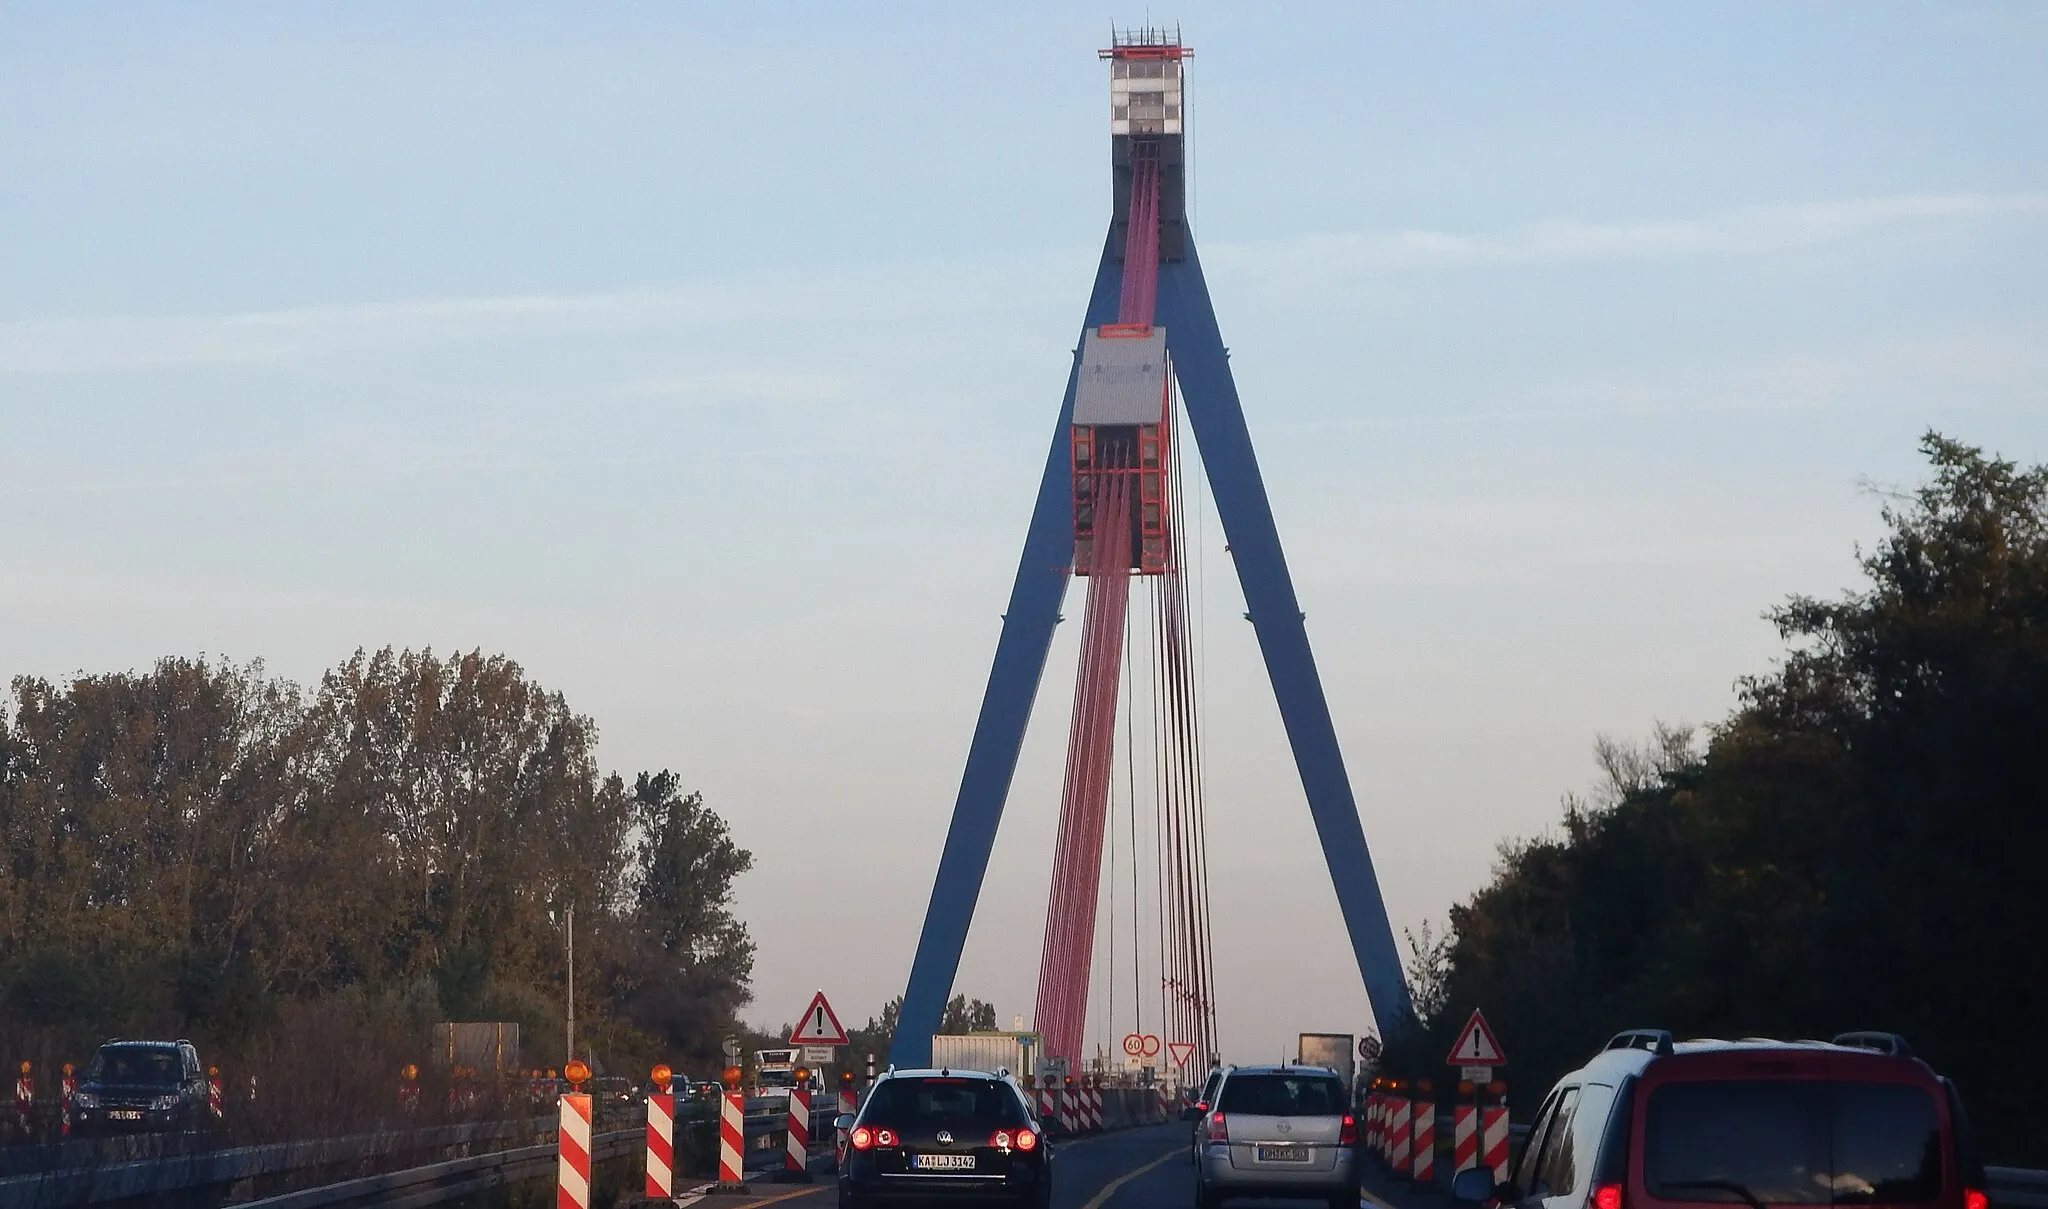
{"points": [[843, 1121], [1472, 1186]]}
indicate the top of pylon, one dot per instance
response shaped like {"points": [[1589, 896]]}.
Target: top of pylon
{"points": [[1146, 42]]}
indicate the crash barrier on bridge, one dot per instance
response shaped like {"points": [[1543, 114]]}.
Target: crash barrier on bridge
{"points": [[1085, 1106], [2017, 1188]]}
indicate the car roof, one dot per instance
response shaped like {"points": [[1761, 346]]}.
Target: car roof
{"points": [[1291, 1068], [1612, 1064], [140, 1045], [942, 1072]]}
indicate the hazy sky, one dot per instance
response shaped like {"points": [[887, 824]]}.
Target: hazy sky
{"points": [[703, 360]]}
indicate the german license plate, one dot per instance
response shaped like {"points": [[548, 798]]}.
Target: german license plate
{"points": [[125, 1114], [1285, 1152], [942, 1162]]}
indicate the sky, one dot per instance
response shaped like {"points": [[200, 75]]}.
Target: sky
{"points": [[702, 358]]}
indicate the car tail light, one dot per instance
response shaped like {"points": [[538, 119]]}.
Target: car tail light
{"points": [[1348, 1136], [1027, 1140], [1201, 1106], [862, 1138], [1607, 1196], [1975, 1199], [1000, 1139], [1218, 1131], [885, 1137]]}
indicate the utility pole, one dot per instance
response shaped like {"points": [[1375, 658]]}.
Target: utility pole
{"points": [[569, 1048]]}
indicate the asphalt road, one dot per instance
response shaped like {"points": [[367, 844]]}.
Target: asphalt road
{"points": [[1132, 1169]]}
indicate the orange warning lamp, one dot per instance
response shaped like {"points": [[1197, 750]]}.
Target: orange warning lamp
{"points": [[803, 1074], [660, 1076], [25, 1068], [731, 1075], [551, 1071], [1394, 1085], [1424, 1087], [1465, 1087], [213, 1072], [67, 1069], [1497, 1088], [576, 1072], [409, 1072], [846, 1078]]}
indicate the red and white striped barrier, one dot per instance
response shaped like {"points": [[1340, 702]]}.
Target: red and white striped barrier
{"points": [[1095, 1106], [70, 1086], [1493, 1142], [1049, 1104], [24, 1096], [213, 1099], [572, 1163], [1372, 1123], [1397, 1136], [849, 1104], [732, 1137], [1464, 1138], [797, 1156], [1422, 1142], [661, 1146]]}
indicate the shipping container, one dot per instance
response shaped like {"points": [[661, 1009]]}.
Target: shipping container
{"points": [[986, 1051], [1334, 1050]]}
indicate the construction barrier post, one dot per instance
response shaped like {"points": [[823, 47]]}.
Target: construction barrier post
{"points": [[1464, 1138], [1397, 1138], [408, 1089], [797, 1154], [572, 1165], [1094, 1105], [1493, 1127], [661, 1146], [1422, 1142], [732, 1139], [24, 1096], [70, 1086], [213, 1103]]}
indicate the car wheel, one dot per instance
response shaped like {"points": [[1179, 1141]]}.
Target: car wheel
{"points": [[1206, 1198]]}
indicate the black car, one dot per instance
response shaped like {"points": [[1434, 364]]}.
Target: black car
{"points": [[142, 1085], [950, 1135]]}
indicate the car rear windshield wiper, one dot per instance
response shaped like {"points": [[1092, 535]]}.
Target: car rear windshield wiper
{"points": [[1718, 1186]]}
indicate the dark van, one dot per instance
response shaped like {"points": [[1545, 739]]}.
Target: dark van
{"points": [[1651, 1123]]}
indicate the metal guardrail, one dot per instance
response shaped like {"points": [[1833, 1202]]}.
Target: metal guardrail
{"points": [[438, 1182], [2017, 1188]]}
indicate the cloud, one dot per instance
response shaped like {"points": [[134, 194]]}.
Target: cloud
{"points": [[1568, 240]]}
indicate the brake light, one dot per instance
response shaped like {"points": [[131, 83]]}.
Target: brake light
{"points": [[1218, 1131], [885, 1137], [1608, 1196], [1000, 1139], [1027, 1140], [1348, 1136], [1975, 1199], [862, 1138], [1201, 1106]]}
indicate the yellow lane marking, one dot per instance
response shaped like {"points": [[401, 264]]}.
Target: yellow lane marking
{"points": [[1369, 1199], [1109, 1189]]}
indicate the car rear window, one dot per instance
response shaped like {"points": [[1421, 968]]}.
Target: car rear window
{"points": [[984, 1101], [1282, 1096], [1788, 1142]]}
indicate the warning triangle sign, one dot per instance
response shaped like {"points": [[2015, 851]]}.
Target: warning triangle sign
{"points": [[1181, 1051], [818, 1025], [1476, 1045]]}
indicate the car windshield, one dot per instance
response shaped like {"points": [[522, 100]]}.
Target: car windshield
{"points": [[985, 1101], [1792, 1143], [136, 1064], [1282, 1096]]}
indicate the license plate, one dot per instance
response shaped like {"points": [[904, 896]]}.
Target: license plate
{"points": [[942, 1162], [1283, 1153], [125, 1114]]}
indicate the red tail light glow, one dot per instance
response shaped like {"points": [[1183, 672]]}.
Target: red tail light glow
{"points": [[1000, 1139], [862, 1138], [1201, 1106], [1027, 1140], [1218, 1131], [1348, 1136], [1607, 1196], [885, 1137], [1975, 1199]]}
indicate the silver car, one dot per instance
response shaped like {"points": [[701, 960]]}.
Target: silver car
{"points": [[1279, 1131]]}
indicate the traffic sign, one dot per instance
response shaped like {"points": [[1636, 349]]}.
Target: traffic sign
{"points": [[731, 1046], [818, 1025], [1476, 1074], [1134, 1044], [815, 1054], [1369, 1047], [1181, 1051], [1476, 1045]]}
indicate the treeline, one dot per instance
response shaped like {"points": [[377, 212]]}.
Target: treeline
{"points": [[1861, 845], [205, 850]]}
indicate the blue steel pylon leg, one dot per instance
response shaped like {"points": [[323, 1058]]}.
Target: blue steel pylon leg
{"points": [[1202, 365], [1005, 709]]}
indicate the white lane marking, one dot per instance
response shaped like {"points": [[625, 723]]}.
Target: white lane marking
{"points": [[1109, 1189]]}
